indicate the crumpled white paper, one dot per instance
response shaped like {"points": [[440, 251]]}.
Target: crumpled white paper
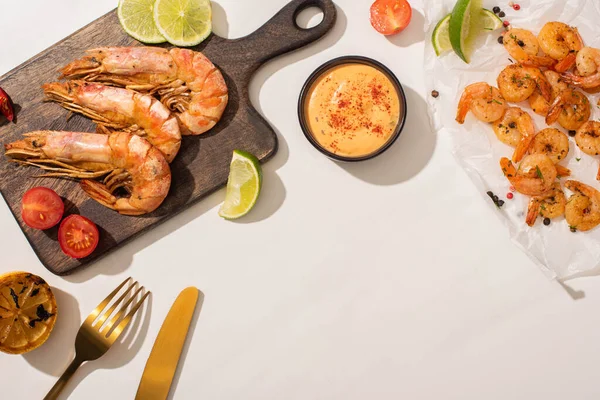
{"points": [[559, 252]]}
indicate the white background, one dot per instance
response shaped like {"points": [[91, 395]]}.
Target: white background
{"points": [[383, 280]]}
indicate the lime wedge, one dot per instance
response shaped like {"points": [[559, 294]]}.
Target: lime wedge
{"points": [[183, 22], [464, 20], [441, 36], [243, 185], [490, 21], [137, 19]]}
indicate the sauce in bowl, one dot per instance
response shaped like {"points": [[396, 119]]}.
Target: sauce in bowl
{"points": [[352, 110]]}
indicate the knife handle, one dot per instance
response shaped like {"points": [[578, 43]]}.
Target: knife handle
{"points": [[281, 34], [64, 379]]}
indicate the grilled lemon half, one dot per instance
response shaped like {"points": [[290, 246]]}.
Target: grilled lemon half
{"points": [[27, 312]]}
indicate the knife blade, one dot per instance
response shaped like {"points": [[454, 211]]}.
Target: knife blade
{"points": [[164, 357]]}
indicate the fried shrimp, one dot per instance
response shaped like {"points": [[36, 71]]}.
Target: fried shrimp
{"points": [[547, 205], [484, 101], [561, 42], [538, 103], [517, 83], [570, 108], [523, 46], [186, 81], [124, 160], [588, 139], [515, 129], [535, 176], [582, 211]]}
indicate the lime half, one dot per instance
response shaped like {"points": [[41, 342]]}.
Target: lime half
{"points": [[464, 21], [137, 19], [183, 22], [441, 36], [243, 185]]}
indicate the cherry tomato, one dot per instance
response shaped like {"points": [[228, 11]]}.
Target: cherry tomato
{"points": [[389, 17], [78, 236], [6, 107], [41, 208]]}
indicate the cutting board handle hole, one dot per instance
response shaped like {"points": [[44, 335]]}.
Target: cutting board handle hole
{"points": [[309, 17]]}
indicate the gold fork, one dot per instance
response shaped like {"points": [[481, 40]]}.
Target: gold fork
{"points": [[94, 340]]}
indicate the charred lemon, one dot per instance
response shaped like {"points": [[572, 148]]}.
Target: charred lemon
{"points": [[27, 312]]}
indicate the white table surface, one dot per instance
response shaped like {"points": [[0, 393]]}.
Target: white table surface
{"points": [[385, 280]]}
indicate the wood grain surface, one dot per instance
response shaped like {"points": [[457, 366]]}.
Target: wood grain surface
{"points": [[202, 165]]}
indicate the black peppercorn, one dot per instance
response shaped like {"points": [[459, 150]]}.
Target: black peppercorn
{"points": [[546, 221], [501, 39], [572, 133], [501, 14], [435, 94], [496, 10]]}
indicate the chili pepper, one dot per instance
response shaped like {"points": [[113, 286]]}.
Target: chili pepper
{"points": [[6, 107]]}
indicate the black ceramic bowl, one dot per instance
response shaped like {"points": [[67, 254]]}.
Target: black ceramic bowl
{"points": [[323, 69]]}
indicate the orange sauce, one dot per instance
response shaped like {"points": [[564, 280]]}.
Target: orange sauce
{"points": [[352, 110]]}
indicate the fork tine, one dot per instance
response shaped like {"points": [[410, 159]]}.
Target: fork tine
{"points": [[92, 317], [118, 315], [112, 308], [123, 324]]}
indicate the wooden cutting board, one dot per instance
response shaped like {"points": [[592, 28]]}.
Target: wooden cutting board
{"points": [[202, 165]]}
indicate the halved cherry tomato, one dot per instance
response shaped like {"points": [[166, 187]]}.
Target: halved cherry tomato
{"points": [[6, 107], [78, 236], [389, 17], [41, 208]]}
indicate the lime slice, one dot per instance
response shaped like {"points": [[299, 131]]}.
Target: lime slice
{"points": [[489, 20], [183, 22], [137, 19], [441, 36], [243, 185], [465, 18]]}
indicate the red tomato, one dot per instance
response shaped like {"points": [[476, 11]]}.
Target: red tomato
{"points": [[78, 236], [389, 17], [6, 107], [41, 208]]}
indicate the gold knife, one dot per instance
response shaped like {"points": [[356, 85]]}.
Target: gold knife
{"points": [[163, 360]]}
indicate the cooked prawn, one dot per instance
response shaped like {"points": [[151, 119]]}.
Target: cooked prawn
{"points": [[117, 109], [517, 82], [561, 42], [588, 139], [538, 103], [582, 211], [547, 205], [535, 176], [570, 108], [123, 159], [523, 46], [551, 142], [588, 69], [516, 129], [483, 100], [186, 81]]}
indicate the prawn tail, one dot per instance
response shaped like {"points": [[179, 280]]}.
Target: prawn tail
{"points": [[566, 63], [540, 61], [463, 108], [544, 87], [508, 169], [555, 110], [562, 171], [533, 211]]}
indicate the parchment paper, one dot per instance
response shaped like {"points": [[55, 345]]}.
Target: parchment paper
{"points": [[559, 252]]}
